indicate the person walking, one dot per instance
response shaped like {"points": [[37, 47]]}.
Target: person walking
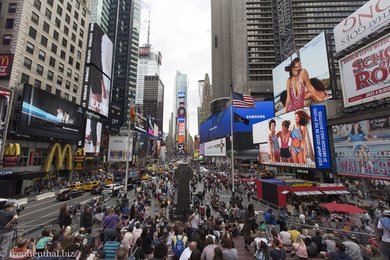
{"points": [[383, 235], [248, 224], [8, 220]]}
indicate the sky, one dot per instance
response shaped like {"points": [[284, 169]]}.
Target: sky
{"points": [[181, 31]]}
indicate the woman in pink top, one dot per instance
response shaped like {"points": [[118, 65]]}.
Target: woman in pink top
{"points": [[299, 249]]}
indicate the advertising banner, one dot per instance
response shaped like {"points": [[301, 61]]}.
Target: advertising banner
{"points": [[180, 149], [181, 120], [117, 149], [155, 130], [181, 138], [93, 136], [362, 148], [96, 91], [215, 148], [365, 74], [99, 50], [181, 112], [286, 140], [5, 98], [47, 115], [320, 135], [181, 94], [6, 65], [150, 126], [218, 126], [371, 17], [182, 128], [300, 80]]}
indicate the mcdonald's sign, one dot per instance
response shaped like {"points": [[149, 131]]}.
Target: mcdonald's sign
{"points": [[6, 65], [60, 155], [79, 157], [11, 155]]}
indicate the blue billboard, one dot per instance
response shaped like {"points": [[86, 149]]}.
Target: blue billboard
{"points": [[320, 136], [218, 125]]}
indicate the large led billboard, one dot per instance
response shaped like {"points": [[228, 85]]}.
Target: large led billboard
{"points": [[365, 74], [302, 79], [286, 140], [96, 91], [99, 50], [362, 148], [117, 148], [47, 115], [215, 148], [93, 136], [218, 125], [5, 97]]}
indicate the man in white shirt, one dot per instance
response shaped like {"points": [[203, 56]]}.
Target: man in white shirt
{"points": [[187, 252], [137, 232], [383, 234]]}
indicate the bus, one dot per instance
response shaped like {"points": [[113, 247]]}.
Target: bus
{"points": [[134, 176]]}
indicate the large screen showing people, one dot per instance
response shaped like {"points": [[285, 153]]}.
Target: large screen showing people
{"points": [[46, 115], [303, 78], [286, 140], [93, 134], [362, 147], [99, 86]]}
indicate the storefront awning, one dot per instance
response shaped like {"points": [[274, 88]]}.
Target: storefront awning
{"points": [[335, 192], [307, 193], [285, 192]]}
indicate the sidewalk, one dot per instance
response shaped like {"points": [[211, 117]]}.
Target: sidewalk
{"points": [[22, 199]]}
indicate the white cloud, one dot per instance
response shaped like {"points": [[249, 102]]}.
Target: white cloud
{"points": [[180, 30]]}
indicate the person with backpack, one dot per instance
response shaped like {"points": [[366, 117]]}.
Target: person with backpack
{"points": [[179, 243], [383, 234], [270, 221]]}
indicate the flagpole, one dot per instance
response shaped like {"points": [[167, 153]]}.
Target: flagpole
{"points": [[232, 137]]}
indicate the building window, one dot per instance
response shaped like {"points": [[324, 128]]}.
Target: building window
{"points": [[69, 7], [42, 55], [59, 10], [58, 92], [48, 13], [77, 4], [27, 63], [52, 62], [64, 42], [61, 67], [77, 65], [25, 78], [76, 15], [62, 55], [67, 84], [69, 73], [38, 83], [66, 30], [67, 18], [66, 96], [70, 61], [82, 22], [75, 26], [50, 75], [56, 35], [46, 27], [74, 88], [84, 12], [81, 33], [72, 48], [54, 48], [12, 8], [76, 77], [80, 44], [39, 69], [59, 80], [73, 37], [37, 4], [32, 32], [7, 39], [34, 18], [78, 54], [9, 24], [58, 23], [48, 88], [30, 48], [74, 99], [44, 41]]}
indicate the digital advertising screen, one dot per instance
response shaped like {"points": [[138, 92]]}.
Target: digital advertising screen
{"points": [[5, 97], [303, 78], [286, 140], [93, 136], [47, 115], [150, 126], [99, 50], [96, 91], [218, 125], [362, 148]]}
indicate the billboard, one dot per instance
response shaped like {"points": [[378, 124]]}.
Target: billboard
{"points": [[180, 149], [218, 125], [215, 148], [96, 91], [371, 17], [150, 126], [144, 51], [321, 139], [117, 147], [5, 98], [6, 61], [302, 79], [99, 49], [182, 128], [181, 119], [47, 115], [365, 74], [93, 136], [362, 148], [286, 140], [155, 130], [181, 138], [181, 94], [181, 112]]}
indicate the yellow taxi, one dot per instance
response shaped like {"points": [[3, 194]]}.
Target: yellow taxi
{"points": [[75, 186], [89, 185], [146, 177]]}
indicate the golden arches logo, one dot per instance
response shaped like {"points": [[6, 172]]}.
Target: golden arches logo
{"points": [[4, 60], [12, 150], [79, 152], [61, 154]]}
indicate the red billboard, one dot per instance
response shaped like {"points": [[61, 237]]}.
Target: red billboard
{"points": [[6, 65]]}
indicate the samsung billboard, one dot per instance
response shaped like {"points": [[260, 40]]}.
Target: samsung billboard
{"points": [[47, 115], [218, 125]]}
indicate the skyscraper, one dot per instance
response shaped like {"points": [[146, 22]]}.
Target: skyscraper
{"points": [[124, 29], [153, 104], [180, 107], [207, 96], [246, 38], [100, 13]]}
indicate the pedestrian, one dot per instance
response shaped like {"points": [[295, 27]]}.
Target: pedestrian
{"points": [[248, 225], [65, 218], [8, 221], [383, 235], [270, 222]]}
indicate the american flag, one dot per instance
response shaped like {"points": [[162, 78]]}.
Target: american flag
{"points": [[243, 101]]}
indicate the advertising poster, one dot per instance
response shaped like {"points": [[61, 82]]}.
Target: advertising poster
{"points": [[286, 140], [218, 126], [150, 126], [371, 17], [47, 115], [320, 135], [302, 79], [182, 128], [155, 130], [5, 95], [215, 148], [181, 139], [365, 74], [117, 149], [363, 148], [6, 65], [93, 135]]}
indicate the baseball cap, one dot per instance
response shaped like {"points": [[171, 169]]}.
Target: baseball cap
{"points": [[386, 213]]}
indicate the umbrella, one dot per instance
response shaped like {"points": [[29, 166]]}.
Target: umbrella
{"points": [[347, 208]]}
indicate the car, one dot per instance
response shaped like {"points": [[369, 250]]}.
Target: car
{"points": [[146, 177], [75, 186], [97, 189], [69, 194], [113, 187], [89, 185]]}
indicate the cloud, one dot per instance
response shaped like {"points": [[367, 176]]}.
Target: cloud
{"points": [[180, 30]]}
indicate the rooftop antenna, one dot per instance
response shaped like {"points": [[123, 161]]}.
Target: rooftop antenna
{"points": [[148, 43]]}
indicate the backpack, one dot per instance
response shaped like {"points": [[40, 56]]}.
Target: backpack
{"points": [[179, 246]]}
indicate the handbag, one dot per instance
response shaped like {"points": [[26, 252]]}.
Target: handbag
{"points": [[131, 256]]}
